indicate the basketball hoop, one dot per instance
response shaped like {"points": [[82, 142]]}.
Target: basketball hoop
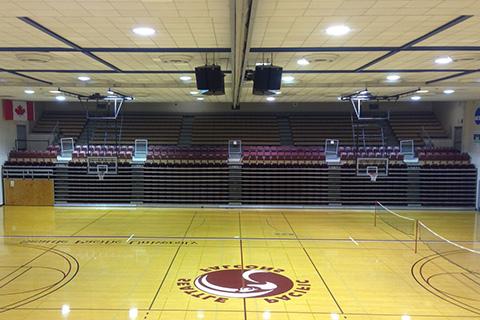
{"points": [[372, 172], [102, 169]]}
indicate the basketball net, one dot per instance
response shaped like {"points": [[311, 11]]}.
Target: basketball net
{"points": [[373, 176], [101, 175]]}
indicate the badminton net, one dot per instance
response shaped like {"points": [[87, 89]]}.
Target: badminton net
{"points": [[464, 255], [397, 221]]}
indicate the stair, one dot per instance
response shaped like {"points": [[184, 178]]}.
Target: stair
{"points": [[185, 138], [285, 131]]}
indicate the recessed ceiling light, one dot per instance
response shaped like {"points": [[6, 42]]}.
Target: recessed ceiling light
{"points": [[194, 92], [415, 98], [337, 31], [29, 91], [393, 77], [443, 60], [270, 98], [448, 91], [60, 98], [185, 78], [84, 78], [422, 91], [54, 91], [288, 79], [303, 62], [144, 31], [200, 98]]}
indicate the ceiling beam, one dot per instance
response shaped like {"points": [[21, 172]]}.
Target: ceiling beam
{"points": [[108, 71], [410, 44], [461, 74], [362, 49], [244, 35], [24, 76], [69, 43]]}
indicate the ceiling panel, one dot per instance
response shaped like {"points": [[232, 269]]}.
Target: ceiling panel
{"points": [[49, 60], [165, 61], [318, 61], [16, 33], [426, 60], [463, 34]]}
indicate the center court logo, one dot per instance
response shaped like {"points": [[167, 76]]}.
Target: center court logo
{"points": [[221, 283]]}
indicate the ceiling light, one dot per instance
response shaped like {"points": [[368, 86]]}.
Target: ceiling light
{"points": [[270, 98], [339, 98], [415, 98], [84, 78], [337, 31], [200, 98], [393, 77], [448, 91], [54, 91], [109, 91], [262, 63], [303, 62], [288, 79], [194, 92], [60, 98], [444, 60], [422, 91], [144, 31], [185, 78], [29, 91]]}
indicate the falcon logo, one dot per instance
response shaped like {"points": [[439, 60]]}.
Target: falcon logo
{"points": [[220, 283], [20, 110], [243, 283]]}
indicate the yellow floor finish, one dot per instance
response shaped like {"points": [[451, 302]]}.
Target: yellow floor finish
{"points": [[158, 264]]}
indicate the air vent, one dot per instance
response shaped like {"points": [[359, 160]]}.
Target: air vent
{"points": [[5, 97], [33, 57], [173, 59], [322, 58]]}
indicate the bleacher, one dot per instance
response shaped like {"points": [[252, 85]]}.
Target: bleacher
{"points": [[415, 126], [157, 128], [251, 129], [68, 124]]}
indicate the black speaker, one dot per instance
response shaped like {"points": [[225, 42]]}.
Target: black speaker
{"points": [[210, 79], [267, 79]]}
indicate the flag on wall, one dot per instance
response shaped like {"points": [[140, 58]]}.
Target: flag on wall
{"points": [[18, 110]]}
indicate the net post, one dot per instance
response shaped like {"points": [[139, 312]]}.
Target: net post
{"points": [[416, 235]]}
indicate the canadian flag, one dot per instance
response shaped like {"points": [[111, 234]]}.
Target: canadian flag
{"points": [[18, 110]]}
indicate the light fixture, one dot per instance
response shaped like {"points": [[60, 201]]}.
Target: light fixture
{"points": [[84, 78], [29, 91], [109, 91], [339, 30], [448, 91], [422, 91], [288, 79], [393, 77], [65, 309], [270, 99], [339, 98], [200, 98], [144, 31], [60, 98], [54, 91], [133, 313], [194, 93], [443, 60], [303, 62], [262, 63], [129, 98], [185, 78], [415, 98]]}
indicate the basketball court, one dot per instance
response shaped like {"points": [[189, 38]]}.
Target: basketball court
{"points": [[239, 159], [149, 263]]}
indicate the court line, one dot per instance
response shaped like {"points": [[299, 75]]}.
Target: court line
{"points": [[241, 261], [20, 274], [236, 238], [89, 224], [314, 266], [171, 263]]}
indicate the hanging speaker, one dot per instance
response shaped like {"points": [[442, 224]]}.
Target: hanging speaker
{"points": [[210, 79], [267, 79]]}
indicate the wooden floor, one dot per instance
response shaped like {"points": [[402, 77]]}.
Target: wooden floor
{"points": [[63, 263]]}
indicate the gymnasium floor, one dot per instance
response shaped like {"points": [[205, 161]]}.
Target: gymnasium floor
{"points": [[63, 263]]}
